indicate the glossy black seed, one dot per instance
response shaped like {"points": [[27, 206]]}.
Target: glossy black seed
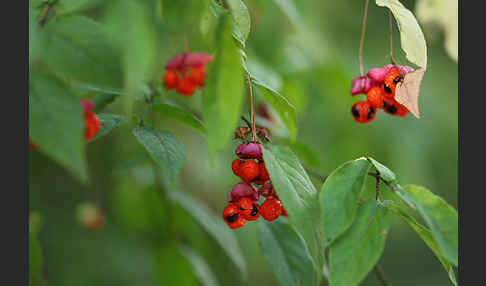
{"points": [[387, 89], [392, 109], [355, 111], [385, 105], [371, 111], [398, 79], [254, 211], [232, 218]]}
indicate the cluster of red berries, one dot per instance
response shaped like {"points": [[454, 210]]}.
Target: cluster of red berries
{"points": [[244, 196], [91, 122], [379, 86], [185, 72]]}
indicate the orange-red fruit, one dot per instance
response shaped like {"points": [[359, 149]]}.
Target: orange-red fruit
{"points": [[391, 106], [33, 145], [375, 97], [235, 165], [284, 212], [362, 111], [263, 172], [248, 171], [270, 209], [232, 217], [91, 125], [197, 75], [248, 209], [390, 83], [171, 78], [185, 86]]}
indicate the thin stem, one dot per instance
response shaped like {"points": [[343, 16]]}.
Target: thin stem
{"points": [[186, 44], [380, 274], [252, 112], [377, 187], [391, 37], [361, 42]]}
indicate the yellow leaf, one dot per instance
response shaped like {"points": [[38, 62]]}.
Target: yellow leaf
{"points": [[407, 91]]}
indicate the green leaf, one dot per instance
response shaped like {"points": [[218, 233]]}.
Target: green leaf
{"points": [[298, 196], [35, 37], [385, 173], [223, 91], [65, 7], [286, 254], [340, 195], [108, 122], [164, 148], [35, 261], [439, 216], [241, 18], [215, 226], [427, 237], [172, 267], [81, 48], [412, 38], [137, 39], [56, 123], [284, 109], [177, 112], [200, 267], [356, 252]]}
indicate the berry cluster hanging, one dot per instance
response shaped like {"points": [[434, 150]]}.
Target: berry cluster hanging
{"points": [[379, 86], [91, 122], [185, 72], [243, 198]]}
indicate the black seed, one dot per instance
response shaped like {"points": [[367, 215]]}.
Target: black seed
{"points": [[232, 218], [355, 111], [385, 105], [386, 88], [392, 109], [254, 211], [371, 111], [398, 79]]}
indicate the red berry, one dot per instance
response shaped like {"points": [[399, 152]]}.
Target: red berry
{"points": [[232, 217], [197, 75], [235, 165], [375, 97], [392, 77], [270, 209], [91, 125], [263, 172], [171, 78], [249, 170], [185, 86], [391, 106], [248, 209], [266, 190], [362, 111], [33, 145]]}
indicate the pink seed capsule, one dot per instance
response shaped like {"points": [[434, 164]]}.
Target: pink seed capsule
{"points": [[87, 105], [241, 190], [249, 151], [361, 85], [197, 59]]}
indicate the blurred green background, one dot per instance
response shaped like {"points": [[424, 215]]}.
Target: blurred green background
{"points": [[310, 55]]}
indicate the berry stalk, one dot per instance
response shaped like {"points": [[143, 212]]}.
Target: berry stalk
{"points": [[252, 112], [361, 42]]}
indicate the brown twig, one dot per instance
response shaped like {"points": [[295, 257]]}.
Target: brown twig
{"points": [[252, 112], [391, 37], [361, 42]]}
